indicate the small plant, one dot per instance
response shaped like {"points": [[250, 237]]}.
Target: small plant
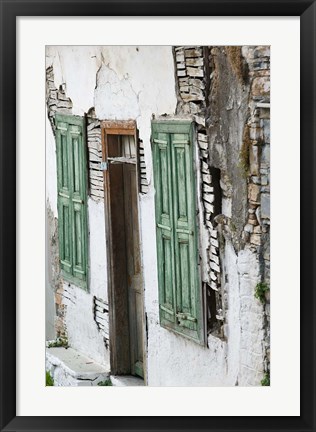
{"points": [[107, 382], [57, 343], [266, 379], [49, 379], [260, 292]]}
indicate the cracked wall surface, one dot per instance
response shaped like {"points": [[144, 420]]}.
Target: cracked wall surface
{"points": [[227, 91], [238, 127], [192, 72], [90, 77], [220, 89], [73, 311]]}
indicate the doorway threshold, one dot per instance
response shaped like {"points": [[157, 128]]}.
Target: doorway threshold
{"points": [[126, 381]]}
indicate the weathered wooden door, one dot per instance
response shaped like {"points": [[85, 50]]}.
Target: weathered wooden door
{"points": [[123, 244], [134, 277]]}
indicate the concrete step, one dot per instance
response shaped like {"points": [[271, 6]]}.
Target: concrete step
{"points": [[126, 381], [68, 367]]}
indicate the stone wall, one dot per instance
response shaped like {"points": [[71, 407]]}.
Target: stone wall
{"points": [[238, 127], [56, 99], [257, 230], [192, 72], [227, 90], [95, 178]]}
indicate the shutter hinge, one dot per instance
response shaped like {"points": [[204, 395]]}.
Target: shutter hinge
{"points": [[104, 166]]}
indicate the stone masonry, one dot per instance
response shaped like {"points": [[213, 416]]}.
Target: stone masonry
{"points": [[192, 80], [227, 91], [257, 230]]}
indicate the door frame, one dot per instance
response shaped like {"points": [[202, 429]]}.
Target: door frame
{"points": [[120, 364]]}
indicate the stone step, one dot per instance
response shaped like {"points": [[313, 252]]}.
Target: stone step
{"points": [[68, 367], [126, 381]]}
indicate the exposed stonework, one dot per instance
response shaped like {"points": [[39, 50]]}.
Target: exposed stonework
{"points": [[226, 118], [227, 91], [258, 59], [101, 317], [56, 99], [96, 184], [239, 130], [142, 168], [192, 79]]}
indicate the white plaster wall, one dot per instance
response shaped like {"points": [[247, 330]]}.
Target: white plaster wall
{"points": [[138, 83], [97, 252], [51, 198], [76, 68], [51, 168], [83, 334], [176, 361], [251, 321], [122, 83], [49, 296]]}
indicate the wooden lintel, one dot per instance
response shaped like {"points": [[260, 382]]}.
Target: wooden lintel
{"points": [[119, 127]]}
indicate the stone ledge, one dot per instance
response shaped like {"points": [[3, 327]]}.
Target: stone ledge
{"points": [[126, 381], [70, 368]]}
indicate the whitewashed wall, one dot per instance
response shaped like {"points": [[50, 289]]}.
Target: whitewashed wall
{"points": [[139, 82]]}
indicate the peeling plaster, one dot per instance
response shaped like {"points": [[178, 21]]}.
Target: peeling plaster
{"points": [[115, 98], [139, 83]]}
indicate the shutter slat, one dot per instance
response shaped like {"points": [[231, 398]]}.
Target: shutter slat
{"points": [[164, 219], [184, 220], [64, 216]]}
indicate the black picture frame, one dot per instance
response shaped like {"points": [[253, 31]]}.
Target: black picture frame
{"points": [[8, 237]]}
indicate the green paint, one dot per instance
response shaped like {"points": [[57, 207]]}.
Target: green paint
{"points": [[72, 198], [180, 294]]}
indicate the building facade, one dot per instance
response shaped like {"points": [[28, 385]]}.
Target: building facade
{"points": [[158, 214]]}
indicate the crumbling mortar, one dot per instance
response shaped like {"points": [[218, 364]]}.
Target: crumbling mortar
{"points": [[264, 263], [183, 59], [56, 99]]}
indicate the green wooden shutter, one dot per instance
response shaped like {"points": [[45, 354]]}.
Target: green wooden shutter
{"points": [[175, 187], [164, 224], [72, 196]]}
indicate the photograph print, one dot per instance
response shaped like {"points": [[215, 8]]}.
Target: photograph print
{"points": [[157, 216]]}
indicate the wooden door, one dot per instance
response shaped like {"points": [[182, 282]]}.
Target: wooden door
{"points": [[134, 276], [125, 282]]}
